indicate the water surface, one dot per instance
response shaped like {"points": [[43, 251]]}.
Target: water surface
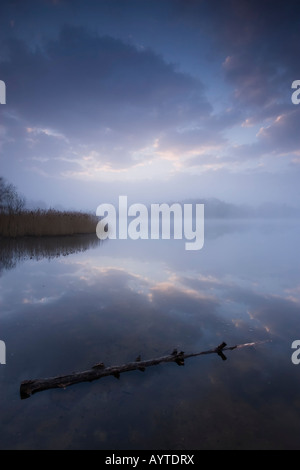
{"points": [[69, 303]]}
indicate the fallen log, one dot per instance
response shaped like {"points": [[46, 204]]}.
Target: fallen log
{"points": [[29, 387]]}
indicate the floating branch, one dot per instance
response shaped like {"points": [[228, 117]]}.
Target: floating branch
{"points": [[29, 387]]}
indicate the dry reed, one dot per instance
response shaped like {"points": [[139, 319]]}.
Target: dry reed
{"points": [[41, 223]]}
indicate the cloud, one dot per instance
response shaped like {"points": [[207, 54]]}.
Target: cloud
{"points": [[253, 79], [275, 139], [99, 91], [283, 134], [138, 94], [257, 43]]}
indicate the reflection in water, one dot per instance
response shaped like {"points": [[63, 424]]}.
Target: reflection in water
{"points": [[13, 251], [131, 299]]}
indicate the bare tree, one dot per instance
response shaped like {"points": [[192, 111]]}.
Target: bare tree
{"points": [[10, 201]]}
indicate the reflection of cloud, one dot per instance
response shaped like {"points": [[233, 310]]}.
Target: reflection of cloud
{"points": [[210, 306], [225, 305], [92, 310], [278, 315], [164, 288], [219, 306]]}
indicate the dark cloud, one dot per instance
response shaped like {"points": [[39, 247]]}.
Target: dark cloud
{"points": [[265, 27], [100, 90], [253, 78], [81, 72], [257, 42], [263, 43]]}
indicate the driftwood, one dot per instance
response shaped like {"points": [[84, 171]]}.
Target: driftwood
{"points": [[29, 387]]}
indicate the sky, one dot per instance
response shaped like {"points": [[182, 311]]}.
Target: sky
{"points": [[159, 100]]}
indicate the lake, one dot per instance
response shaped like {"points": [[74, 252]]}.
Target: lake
{"points": [[67, 304]]}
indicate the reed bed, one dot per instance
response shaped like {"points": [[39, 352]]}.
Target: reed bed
{"points": [[41, 223]]}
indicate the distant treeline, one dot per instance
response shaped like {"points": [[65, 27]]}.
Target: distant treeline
{"points": [[40, 223]]}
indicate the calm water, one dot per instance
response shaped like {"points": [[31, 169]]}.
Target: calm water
{"points": [[68, 304]]}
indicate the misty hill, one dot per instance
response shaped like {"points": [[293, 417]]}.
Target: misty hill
{"points": [[217, 209]]}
